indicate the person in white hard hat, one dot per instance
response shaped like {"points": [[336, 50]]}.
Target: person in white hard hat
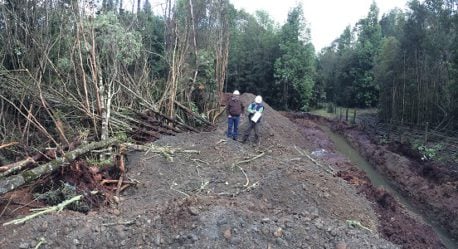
{"points": [[234, 109], [255, 110]]}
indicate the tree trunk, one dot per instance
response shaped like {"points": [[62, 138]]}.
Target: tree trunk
{"points": [[15, 167], [13, 182]]}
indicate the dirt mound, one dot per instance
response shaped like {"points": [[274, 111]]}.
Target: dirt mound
{"points": [[274, 127], [230, 195]]}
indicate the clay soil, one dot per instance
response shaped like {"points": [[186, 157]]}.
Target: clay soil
{"points": [[232, 195], [431, 186]]}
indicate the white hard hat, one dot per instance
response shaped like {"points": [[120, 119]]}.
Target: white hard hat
{"points": [[258, 99], [236, 92]]}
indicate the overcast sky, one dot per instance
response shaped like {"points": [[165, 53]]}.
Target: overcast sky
{"points": [[327, 18]]}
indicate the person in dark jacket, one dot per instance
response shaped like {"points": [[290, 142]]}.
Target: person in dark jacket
{"points": [[234, 109], [255, 110]]}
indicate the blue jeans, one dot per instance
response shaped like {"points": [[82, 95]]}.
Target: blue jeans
{"points": [[233, 127]]}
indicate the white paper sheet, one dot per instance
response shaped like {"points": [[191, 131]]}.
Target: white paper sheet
{"points": [[256, 117]]}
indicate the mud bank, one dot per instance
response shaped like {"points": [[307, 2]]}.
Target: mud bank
{"points": [[395, 223], [430, 186]]}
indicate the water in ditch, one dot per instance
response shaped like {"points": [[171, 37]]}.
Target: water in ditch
{"points": [[379, 181]]}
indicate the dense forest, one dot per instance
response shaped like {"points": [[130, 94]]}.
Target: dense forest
{"points": [[76, 69], [404, 63]]}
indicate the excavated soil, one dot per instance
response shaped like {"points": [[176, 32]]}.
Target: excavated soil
{"points": [[232, 195], [430, 185]]}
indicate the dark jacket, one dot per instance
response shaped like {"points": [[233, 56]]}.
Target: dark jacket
{"points": [[235, 107]]}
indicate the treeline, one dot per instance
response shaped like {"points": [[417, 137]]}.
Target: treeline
{"points": [[86, 68], [277, 62], [73, 70], [404, 63]]}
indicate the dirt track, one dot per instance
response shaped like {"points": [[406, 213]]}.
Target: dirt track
{"points": [[280, 200]]}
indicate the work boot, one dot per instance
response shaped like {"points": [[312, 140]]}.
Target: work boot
{"points": [[257, 141]]}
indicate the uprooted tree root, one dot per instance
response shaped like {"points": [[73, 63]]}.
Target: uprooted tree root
{"points": [[95, 184]]}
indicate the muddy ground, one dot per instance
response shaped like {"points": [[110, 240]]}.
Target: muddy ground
{"points": [[431, 185], [232, 195]]}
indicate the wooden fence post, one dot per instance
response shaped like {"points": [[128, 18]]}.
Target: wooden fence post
{"points": [[426, 133], [354, 116]]}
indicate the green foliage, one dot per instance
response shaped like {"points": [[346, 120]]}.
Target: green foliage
{"points": [[62, 193], [253, 51], [346, 68], [207, 69], [295, 68], [404, 63], [364, 90], [64, 64], [114, 42], [152, 30], [416, 80], [122, 136], [428, 153], [384, 139], [99, 162]]}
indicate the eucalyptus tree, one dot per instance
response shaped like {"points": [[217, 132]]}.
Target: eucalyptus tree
{"points": [[427, 48], [405, 63], [453, 88], [389, 77], [364, 89], [389, 69], [392, 23], [196, 51], [352, 57], [152, 30], [295, 68], [334, 64], [253, 50]]}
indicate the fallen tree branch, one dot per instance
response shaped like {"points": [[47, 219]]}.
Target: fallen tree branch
{"points": [[138, 124], [329, 169], [7, 145], [246, 177], [239, 191], [56, 208], [179, 191], [166, 151], [221, 141], [6, 206], [218, 113], [192, 113], [202, 161], [249, 160], [107, 181], [15, 167], [27, 176], [40, 242], [121, 169], [357, 224], [125, 223], [172, 120]]}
